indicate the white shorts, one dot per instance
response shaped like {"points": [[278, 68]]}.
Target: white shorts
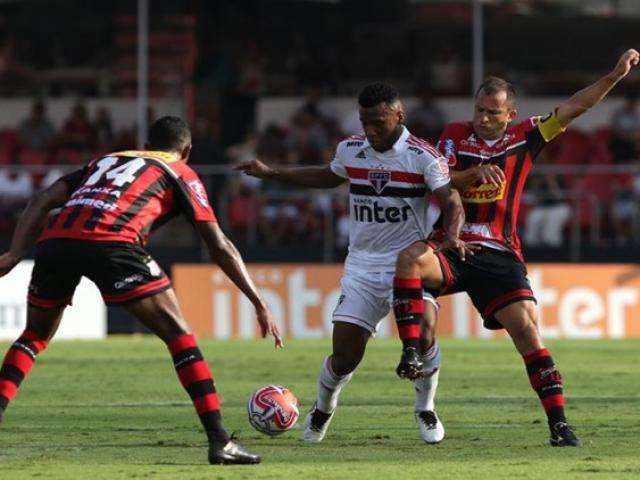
{"points": [[365, 298]]}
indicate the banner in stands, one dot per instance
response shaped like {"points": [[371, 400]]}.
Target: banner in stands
{"points": [[576, 301], [86, 318]]}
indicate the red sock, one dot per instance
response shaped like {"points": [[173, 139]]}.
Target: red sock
{"points": [[547, 382], [17, 364], [195, 377], [408, 308]]}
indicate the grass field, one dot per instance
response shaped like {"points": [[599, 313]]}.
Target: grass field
{"points": [[114, 409]]}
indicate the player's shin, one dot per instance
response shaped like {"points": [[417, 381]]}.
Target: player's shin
{"points": [[17, 364], [547, 382], [408, 308], [330, 385], [195, 377]]}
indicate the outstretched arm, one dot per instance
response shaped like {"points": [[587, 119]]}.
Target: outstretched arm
{"points": [[224, 253], [314, 177], [30, 223], [586, 98]]}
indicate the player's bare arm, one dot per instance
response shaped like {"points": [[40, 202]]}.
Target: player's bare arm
{"points": [[586, 98], [452, 219], [492, 174], [313, 177], [224, 253], [30, 223]]}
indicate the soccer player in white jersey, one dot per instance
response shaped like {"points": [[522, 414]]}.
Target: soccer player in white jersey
{"points": [[391, 175]]}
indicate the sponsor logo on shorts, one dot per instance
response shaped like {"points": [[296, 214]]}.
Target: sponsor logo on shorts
{"points": [[138, 277], [485, 193]]}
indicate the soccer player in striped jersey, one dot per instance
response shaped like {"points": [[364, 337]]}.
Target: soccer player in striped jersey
{"points": [[495, 277], [106, 211], [391, 176]]}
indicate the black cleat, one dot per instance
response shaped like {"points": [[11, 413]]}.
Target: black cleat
{"points": [[563, 436], [410, 365], [231, 454]]}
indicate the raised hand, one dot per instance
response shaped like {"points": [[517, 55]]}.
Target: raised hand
{"points": [[629, 59]]}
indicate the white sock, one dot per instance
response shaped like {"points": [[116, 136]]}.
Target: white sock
{"points": [[329, 387], [426, 386]]}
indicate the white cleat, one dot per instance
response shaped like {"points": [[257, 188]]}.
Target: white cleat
{"points": [[431, 428], [316, 425]]}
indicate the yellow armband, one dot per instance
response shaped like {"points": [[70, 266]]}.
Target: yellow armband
{"points": [[550, 127]]}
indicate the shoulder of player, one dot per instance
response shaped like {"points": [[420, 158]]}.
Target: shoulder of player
{"points": [[354, 141], [421, 148], [457, 130]]}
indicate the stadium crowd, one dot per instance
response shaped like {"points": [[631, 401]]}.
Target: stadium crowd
{"points": [[265, 213]]}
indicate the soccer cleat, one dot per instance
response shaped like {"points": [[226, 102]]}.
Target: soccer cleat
{"points": [[562, 436], [410, 365], [431, 428], [316, 425], [231, 454]]}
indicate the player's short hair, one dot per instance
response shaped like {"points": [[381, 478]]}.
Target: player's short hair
{"points": [[378, 92], [492, 85], [169, 134]]}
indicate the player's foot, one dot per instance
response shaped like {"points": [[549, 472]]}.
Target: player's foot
{"points": [[410, 365], [231, 453], [562, 436], [431, 428], [316, 425]]}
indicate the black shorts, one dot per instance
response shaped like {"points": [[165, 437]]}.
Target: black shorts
{"points": [[122, 271], [492, 278]]}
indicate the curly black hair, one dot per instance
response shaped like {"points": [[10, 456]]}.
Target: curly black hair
{"points": [[376, 93]]}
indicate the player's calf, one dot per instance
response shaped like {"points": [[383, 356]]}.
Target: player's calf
{"points": [[17, 364]]}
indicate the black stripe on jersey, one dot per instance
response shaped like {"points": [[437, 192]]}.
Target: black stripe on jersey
{"points": [[139, 203], [535, 142], [98, 213], [77, 210], [470, 212], [513, 188], [358, 189]]}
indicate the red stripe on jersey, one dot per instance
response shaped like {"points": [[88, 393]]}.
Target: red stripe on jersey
{"points": [[515, 212], [498, 225], [419, 142], [407, 177]]}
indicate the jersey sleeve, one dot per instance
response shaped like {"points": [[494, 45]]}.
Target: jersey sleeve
{"points": [[74, 179], [192, 198], [337, 164], [436, 172], [541, 130], [447, 146]]}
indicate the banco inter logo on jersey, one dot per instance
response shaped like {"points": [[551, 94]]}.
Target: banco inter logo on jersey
{"points": [[379, 179]]}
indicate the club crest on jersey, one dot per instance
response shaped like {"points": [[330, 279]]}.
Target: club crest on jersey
{"points": [[379, 179]]}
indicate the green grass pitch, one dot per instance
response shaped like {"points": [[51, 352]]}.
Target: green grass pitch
{"points": [[114, 409]]}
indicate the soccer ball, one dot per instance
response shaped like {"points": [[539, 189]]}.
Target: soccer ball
{"points": [[273, 410]]}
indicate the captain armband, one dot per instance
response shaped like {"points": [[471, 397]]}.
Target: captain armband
{"points": [[550, 127]]}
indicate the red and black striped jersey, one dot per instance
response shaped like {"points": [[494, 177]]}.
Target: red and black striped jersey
{"points": [[124, 196], [492, 212]]}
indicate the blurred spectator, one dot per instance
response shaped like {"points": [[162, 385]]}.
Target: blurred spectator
{"points": [[427, 119], [37, 131], [447, 73], [271, 147], [206, 149], [625, 131], [78, 134], [307, 142], [103, 128], [546, 220]]}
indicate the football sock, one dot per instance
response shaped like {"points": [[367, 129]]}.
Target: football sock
{"points": [[17, 364], [426, 386], [195, 377], [408, 308], [329, 387], [547, 382]]}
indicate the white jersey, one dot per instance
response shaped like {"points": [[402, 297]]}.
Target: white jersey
{"points": [[389, 197]]}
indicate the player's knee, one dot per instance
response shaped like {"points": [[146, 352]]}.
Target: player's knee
{"points": [[343, 363], [410, 258]]}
